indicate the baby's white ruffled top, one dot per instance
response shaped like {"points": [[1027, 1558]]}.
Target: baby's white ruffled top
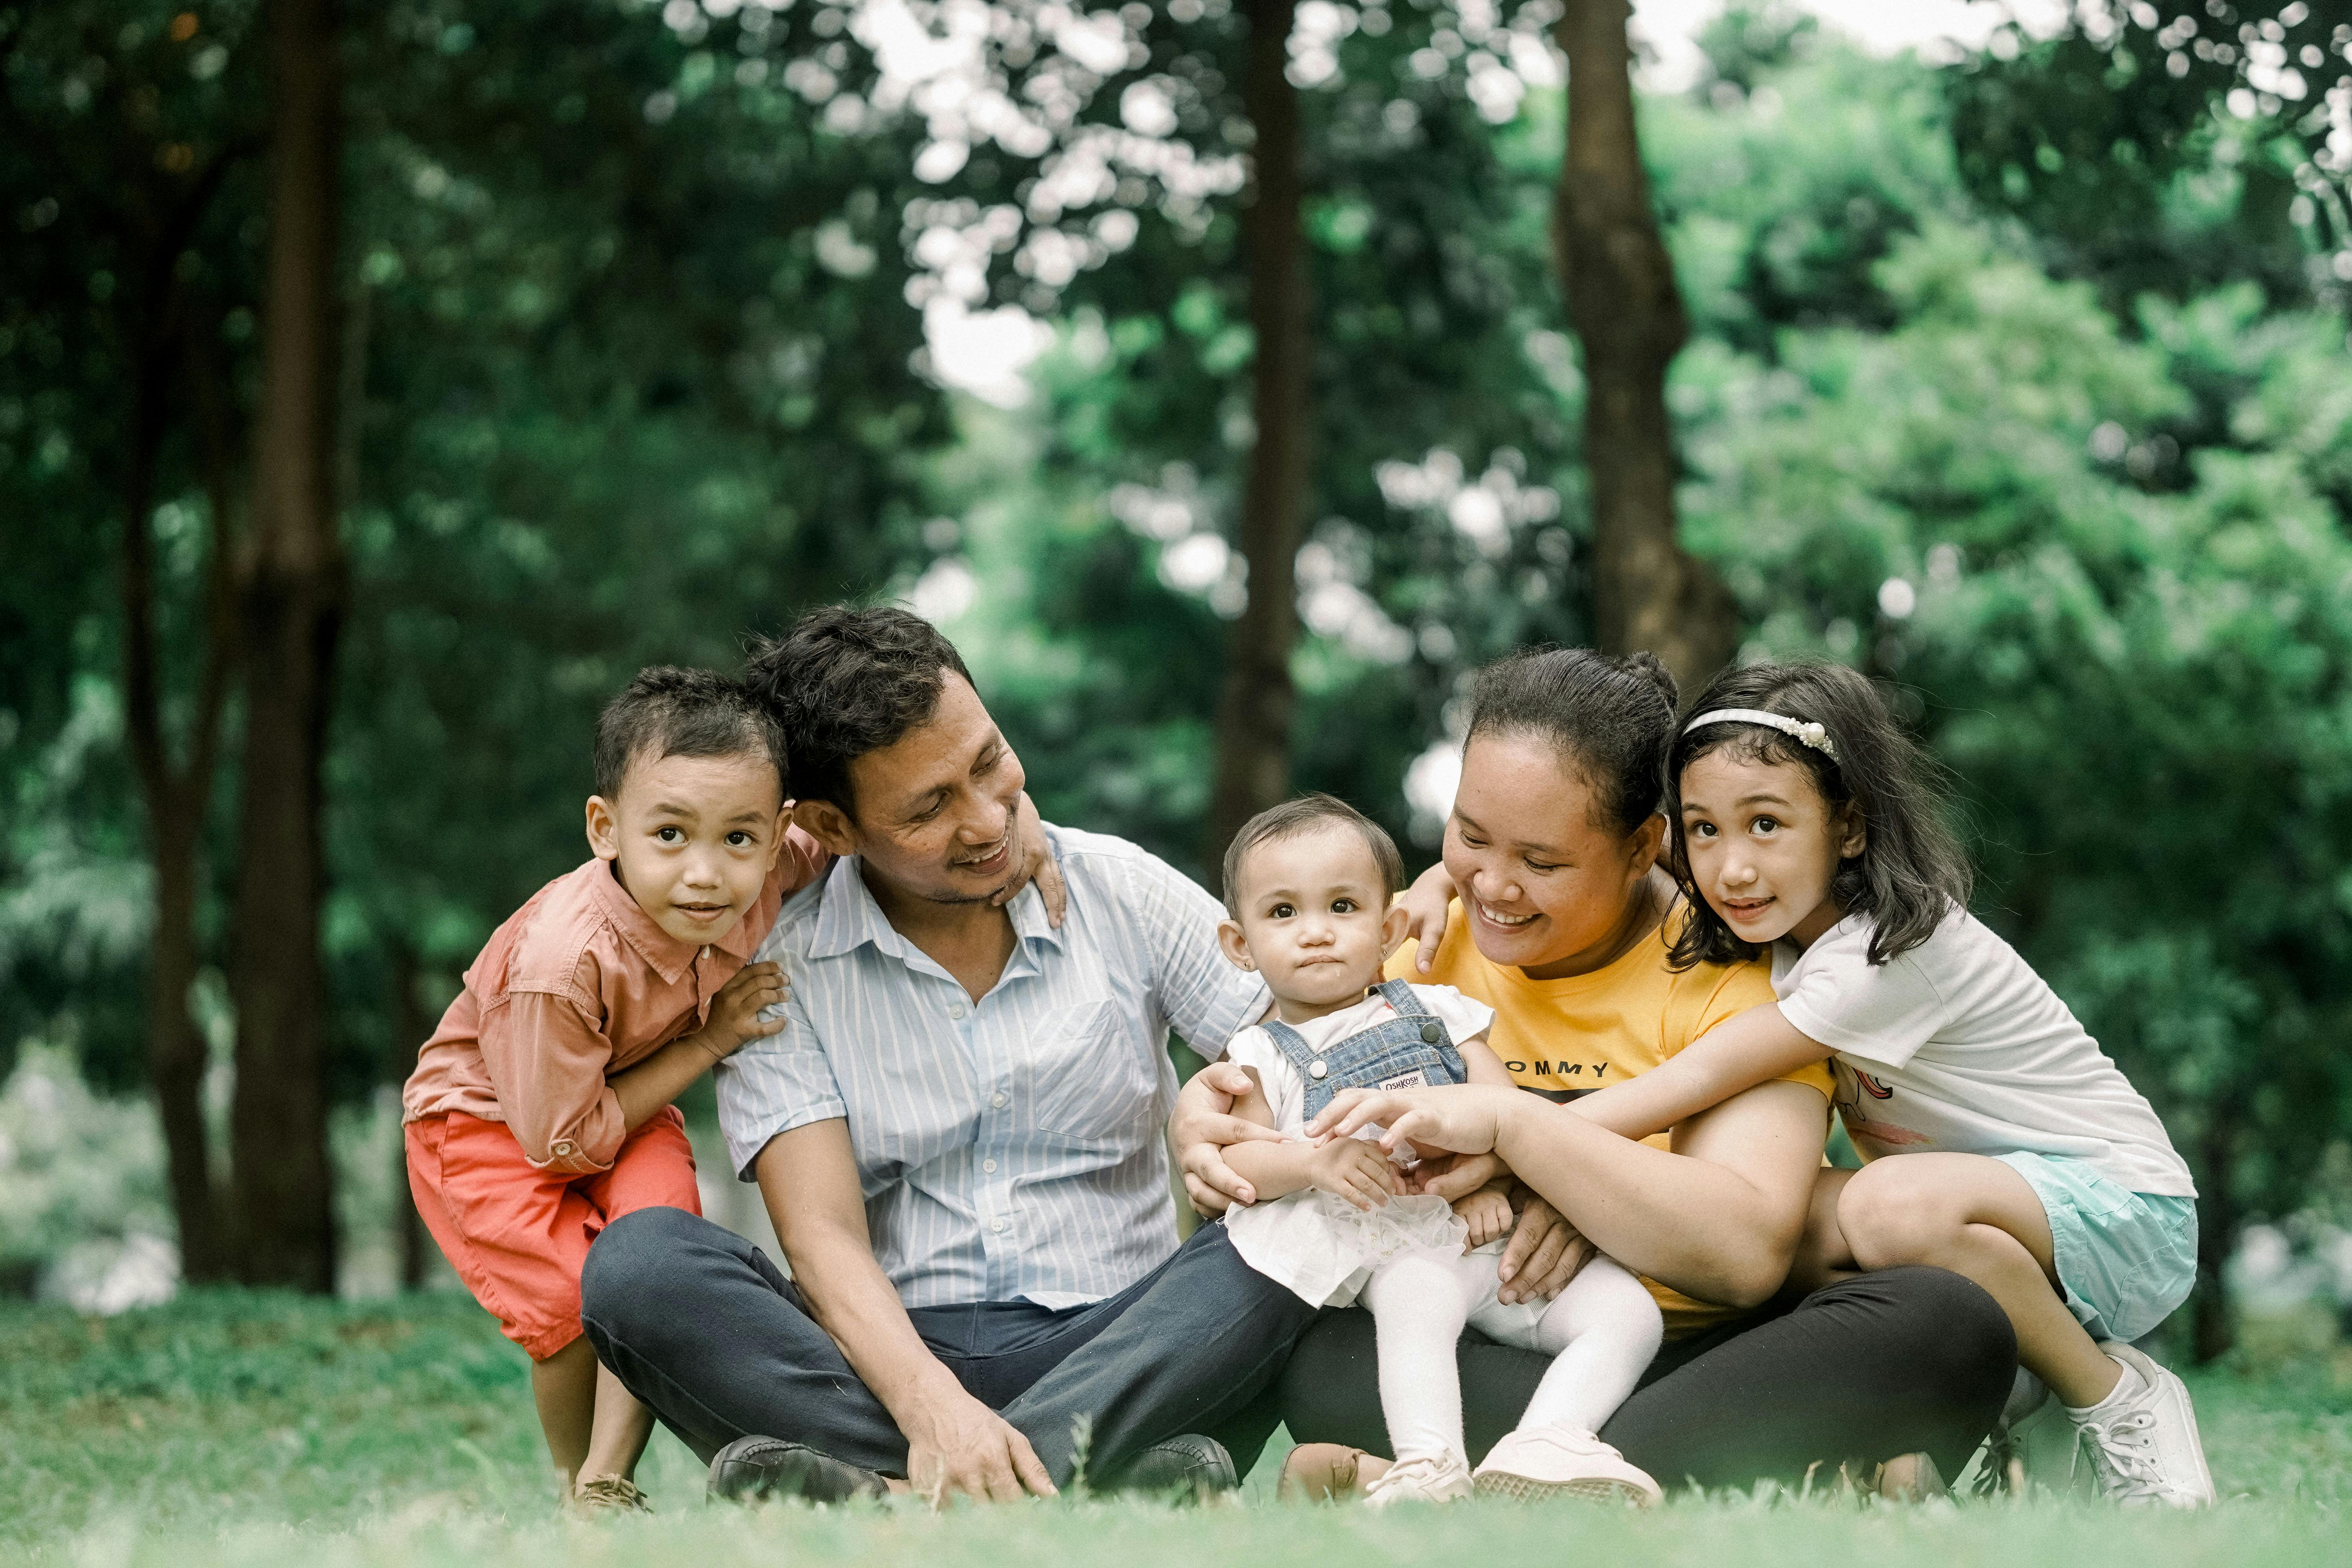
{"points": [[1323, 1247]]}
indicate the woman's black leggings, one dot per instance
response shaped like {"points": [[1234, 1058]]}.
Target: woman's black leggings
{"points": [[1893, 1363]]}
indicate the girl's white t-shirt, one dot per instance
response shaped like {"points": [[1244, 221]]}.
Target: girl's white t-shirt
{"points": [[1958, 1047], [1286, 1087]]}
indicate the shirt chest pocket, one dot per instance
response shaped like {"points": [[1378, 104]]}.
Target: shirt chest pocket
{"points": [[1090, 1078]]}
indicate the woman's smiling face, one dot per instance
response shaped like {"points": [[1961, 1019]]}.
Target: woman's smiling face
{"points": [[1545, 886]]}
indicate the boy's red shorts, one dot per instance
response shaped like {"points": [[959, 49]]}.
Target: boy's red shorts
{"points": [[518, 1236]]}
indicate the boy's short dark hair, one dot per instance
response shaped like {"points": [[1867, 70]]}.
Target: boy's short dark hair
{"points": [[844, 681], [1302, 814], [674, 712]]}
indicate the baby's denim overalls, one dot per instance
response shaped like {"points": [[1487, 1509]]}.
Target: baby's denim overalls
{"points": [[1408, 1051]]}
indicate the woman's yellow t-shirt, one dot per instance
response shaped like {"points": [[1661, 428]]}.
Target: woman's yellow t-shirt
{"points": [[1562, 1038]]}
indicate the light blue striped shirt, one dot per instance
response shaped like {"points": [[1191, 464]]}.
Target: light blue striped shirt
{"points": [[1010, 1148]]}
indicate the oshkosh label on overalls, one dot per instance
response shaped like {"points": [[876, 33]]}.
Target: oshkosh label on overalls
{"points": [[1417, 1079]]}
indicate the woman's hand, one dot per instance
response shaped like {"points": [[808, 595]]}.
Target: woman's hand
{"points": [[1545, 1254], [1464, 1118], [1425, 904], [1035, 862], [1201, 1128]]}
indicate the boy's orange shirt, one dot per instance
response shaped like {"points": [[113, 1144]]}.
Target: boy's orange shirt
{"points": [[578, 984]]}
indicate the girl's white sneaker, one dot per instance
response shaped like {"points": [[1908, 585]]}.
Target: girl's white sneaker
{"points": [[1425, 1478], [1539, 1463], [2144, 1445]]}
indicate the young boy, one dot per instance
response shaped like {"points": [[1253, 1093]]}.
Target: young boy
{"points": [[539, 1110]]}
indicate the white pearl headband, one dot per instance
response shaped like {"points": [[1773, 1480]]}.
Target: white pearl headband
{"points": [[1804, 731]]}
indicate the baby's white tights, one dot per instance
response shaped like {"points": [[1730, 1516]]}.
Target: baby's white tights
{"points": [[1601, 1332]]}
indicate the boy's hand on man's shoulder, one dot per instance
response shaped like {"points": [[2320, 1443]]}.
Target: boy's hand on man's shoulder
{"points": [[1033, 862], [735, 1019]]}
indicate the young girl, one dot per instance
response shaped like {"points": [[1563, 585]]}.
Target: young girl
{"points": [[1805, 821], [1308, 890]]}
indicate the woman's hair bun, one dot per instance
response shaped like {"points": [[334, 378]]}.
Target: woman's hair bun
{"points": [[1651, 665], [1614, 716]]}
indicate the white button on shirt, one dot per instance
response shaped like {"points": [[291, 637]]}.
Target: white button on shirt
{"points": [[1059, 1075]]}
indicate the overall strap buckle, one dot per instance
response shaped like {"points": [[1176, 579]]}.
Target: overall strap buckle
{"points": [[1398, 995], [1295, 1050]]}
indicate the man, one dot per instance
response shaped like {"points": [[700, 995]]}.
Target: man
{"points": [[959, 1138]]}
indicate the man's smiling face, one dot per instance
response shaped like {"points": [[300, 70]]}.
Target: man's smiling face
{"points": [[935, 808]]}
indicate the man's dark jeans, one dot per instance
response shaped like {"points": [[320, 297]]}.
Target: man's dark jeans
{"points": [[709, 1333]]}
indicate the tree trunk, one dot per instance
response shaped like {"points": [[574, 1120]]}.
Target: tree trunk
{"points": [[292, 611], [1254, 711], [2217, 1233], [175, 801], [410, 1025], [1648, 593]]}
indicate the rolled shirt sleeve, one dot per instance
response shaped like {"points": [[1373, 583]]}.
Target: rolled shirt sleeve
{"points": [[1205, 998], [779, 1082], [546, 1059]]}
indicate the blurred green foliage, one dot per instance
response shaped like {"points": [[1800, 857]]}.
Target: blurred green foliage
{"points": [[638, 368]]}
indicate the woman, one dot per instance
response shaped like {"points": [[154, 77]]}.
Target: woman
{"points": [[1562, 926]]}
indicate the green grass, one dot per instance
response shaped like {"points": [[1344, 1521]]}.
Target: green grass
{"points": [[259, 1429]]}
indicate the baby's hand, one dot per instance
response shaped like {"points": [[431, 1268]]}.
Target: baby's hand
{"points": [[1353, 1169], [735, 1011], [1488, 1215]]}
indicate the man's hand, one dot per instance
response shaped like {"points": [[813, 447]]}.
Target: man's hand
{"points": [[1032, 860], [1545, 1254], [734, 1021], [1425, 904], [956, 1445], [1202, 1126], [1464, 1118], [1352, 1169], [1487, 1213]]}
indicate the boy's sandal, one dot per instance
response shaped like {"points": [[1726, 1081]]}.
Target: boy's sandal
{"points": [[1319, 1472], [608, 1494]]}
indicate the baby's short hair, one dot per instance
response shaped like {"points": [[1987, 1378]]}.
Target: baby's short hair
{"points": [[674, 712], [1300, 815]]}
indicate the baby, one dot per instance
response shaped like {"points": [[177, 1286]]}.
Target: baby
{"points": [[1308, 886]]}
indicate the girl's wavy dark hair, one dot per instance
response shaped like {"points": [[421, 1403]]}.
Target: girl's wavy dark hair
{"points": [[1911, 873]]}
